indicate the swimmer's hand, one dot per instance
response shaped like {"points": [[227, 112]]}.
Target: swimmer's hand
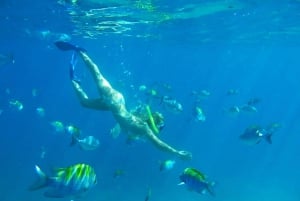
{"points": [[185, 155]]}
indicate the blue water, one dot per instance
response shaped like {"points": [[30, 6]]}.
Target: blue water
{"points": [[246, 45]]}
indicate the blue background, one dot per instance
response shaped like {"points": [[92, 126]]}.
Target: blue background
{"points": [[253, 48]]}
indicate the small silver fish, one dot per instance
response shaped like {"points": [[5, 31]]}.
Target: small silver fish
{"points": [[6, 59], [232, 92], [199, 114], [40, 111], [255, 134], [17, 105], [58, 126], [167, 165], [88, 143], [171, 104], [233, 110], [248, 108]]}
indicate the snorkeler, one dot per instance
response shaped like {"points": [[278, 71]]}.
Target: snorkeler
{"points": [[155, 121], [112, 100]]}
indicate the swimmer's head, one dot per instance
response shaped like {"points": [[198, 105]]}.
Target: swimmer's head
{"points": [[154, 120], [159, 120]]}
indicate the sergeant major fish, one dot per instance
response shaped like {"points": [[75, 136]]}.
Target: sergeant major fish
{"points": [[255, 134], [88, 143], [74, 131], [171, 104], [196, 181], [70, 181]]}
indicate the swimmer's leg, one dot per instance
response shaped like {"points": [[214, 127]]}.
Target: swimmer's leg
{"points": [[85, 101], [104, 87], [114, 98]]}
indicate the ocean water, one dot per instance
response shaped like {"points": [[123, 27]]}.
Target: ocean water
{"points": [[177, 48]]}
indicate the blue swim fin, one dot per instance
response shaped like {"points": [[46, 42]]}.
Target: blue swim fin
{"points": [[73, 63], [65, 46]]}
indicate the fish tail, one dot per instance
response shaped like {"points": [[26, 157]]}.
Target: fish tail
{"points": [[148, 194], [162, 166], [11, 58], [42, 180], [210, 188], [74, 140], [268, 138]]}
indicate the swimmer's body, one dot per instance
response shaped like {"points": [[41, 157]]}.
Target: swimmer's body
{"points": [[112, 100]]}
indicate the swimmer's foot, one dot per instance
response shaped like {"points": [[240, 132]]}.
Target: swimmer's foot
{"points": [[76, 84], [66, 46], [185, 155]]}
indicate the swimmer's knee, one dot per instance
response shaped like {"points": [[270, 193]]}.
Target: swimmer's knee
{"points": [[119, 98], [84, 102]]}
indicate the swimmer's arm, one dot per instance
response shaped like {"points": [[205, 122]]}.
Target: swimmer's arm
{"points": [[165, 147]]}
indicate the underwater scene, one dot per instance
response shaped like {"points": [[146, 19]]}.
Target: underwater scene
{"points": [[150, 100]]}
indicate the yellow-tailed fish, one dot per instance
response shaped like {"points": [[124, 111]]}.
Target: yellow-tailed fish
{"points": [[199, 114], [167, 165], [40, 111], [16, 105], [58, 126], [118, 173], [75, 133]]}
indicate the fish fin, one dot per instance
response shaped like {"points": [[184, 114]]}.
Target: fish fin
{"points": [[7, 59], [42, 180], [65, 46], [11, 58], [181, 183], [148, 195], [210, 189], [74, 140], [162, 98], [161, 165], [57, 170], [268, 138]]}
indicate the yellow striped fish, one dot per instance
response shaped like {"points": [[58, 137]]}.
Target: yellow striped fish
{"points": [[69, 181]]}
